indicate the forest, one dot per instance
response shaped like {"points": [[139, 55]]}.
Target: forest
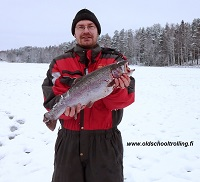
{"points": [[174, 44]]}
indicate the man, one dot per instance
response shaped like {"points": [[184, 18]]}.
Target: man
{"points": [[89, 146]]}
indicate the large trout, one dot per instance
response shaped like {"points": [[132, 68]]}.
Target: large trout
{"points": [[88, 89]]}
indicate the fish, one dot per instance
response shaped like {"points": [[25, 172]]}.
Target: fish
{"points": [[87, 89]]}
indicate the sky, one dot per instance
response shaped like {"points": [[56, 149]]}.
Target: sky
{"points": [[48, 22], [166, 108]]}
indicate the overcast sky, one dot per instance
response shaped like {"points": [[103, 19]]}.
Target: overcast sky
{"points": [[48, 22]]}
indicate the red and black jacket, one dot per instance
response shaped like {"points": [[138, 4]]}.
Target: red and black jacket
{"points": [[105, 113]]}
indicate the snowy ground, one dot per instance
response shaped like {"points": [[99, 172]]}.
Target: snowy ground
{"points": [[167, 108]]}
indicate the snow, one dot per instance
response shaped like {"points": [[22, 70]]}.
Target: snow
{"points": [[166, 109]]}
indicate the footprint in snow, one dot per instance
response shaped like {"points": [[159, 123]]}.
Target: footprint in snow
{"points": [[12, 136], [28, 150], [20, 121], [10, 116], [13, 128]]}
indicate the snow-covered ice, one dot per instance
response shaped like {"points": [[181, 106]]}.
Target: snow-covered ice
{"points": [[167, 108]]}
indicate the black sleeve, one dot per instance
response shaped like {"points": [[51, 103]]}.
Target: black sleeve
{"points": [[131, 87]]}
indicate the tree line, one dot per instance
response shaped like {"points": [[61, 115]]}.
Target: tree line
{"points": [[153, 46]]}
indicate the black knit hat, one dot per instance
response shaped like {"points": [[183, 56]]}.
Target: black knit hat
{"points": [[85, 14]]}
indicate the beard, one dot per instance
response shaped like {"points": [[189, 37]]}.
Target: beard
{"points": [[87, 41]]}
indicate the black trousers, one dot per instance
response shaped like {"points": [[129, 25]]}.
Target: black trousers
{"points": [[88, 156]]}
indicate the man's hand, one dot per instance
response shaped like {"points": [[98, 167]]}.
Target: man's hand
{"points": [[73, 111], [123, 81]]}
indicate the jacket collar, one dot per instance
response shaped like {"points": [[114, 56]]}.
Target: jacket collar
{"points": [[87, 54]]}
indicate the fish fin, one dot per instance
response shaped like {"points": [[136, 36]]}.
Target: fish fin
{"points": [[111, 84], [90, 104], [76, 81], [51, 124]]}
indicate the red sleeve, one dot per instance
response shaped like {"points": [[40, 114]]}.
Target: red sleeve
{"points": [[118, 99]]}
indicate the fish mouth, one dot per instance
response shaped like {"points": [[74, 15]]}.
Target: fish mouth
{"points": [[125, 68]]}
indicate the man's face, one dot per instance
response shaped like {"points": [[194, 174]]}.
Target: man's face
{"points": [[86, 33]]}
